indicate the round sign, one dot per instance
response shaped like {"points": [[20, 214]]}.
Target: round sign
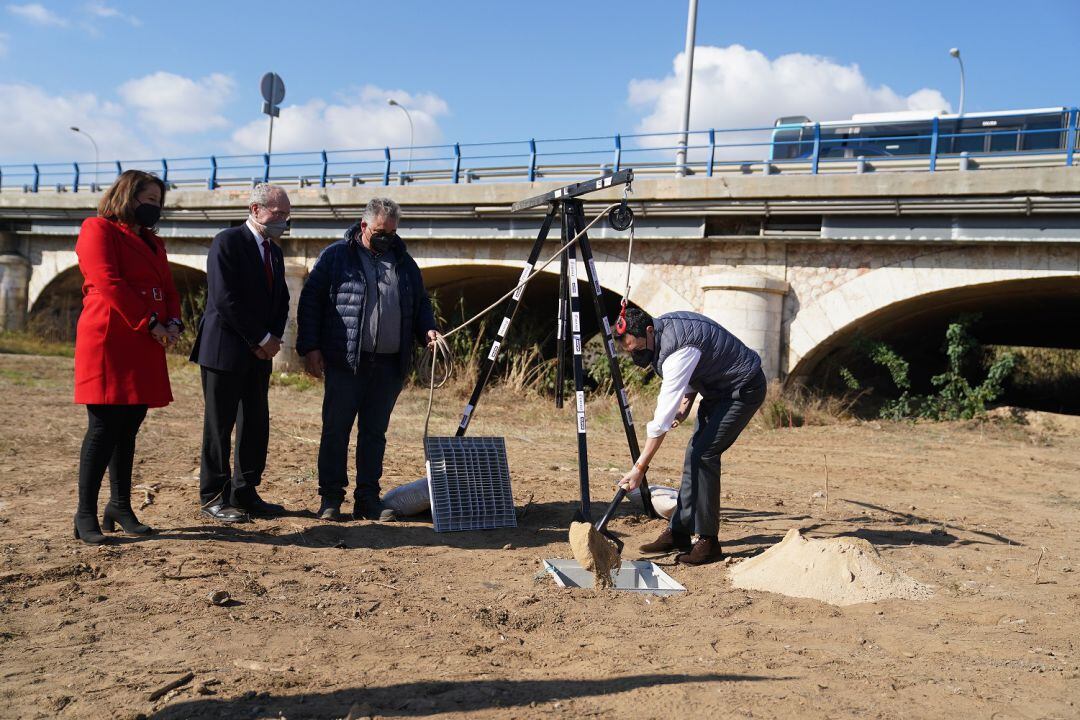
{"points": [[272, 88]]}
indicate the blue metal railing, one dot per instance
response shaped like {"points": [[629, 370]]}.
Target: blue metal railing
{"points": [[733, 150]]}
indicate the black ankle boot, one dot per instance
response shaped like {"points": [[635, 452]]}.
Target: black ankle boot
{"points": [[88, 530], [125, 516]]}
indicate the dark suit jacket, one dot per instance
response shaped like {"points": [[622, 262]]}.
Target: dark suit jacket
{"points": [[240, 308]]}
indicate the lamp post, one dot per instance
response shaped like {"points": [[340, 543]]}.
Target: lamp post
{"points": [[955, 52], [691, 30], [96, 158], [405, 110]]}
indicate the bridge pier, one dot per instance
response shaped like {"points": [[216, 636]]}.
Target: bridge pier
{"points": [[287, 360], [14, 284], [750, 305]]}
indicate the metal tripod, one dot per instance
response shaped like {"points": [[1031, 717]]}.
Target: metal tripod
{"points": [[564, 204]]}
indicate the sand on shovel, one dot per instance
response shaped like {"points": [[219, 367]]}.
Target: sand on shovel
{"points": [[838, 571], [594, 552]]}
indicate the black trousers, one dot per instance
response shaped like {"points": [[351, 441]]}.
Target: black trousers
{"points": [[234, 399], [367, 397], [719, 423], [109, 443]]}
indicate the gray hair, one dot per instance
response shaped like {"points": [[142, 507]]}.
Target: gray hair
{"points": [[381, 208], [262, 192]]}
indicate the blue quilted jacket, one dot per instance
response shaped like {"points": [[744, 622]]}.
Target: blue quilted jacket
{"points": [[332, 303]]}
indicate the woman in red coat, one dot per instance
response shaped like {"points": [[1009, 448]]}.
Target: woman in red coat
{"points": [[131, 311]]}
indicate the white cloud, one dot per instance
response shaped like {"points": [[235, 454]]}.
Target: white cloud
{"points": [[36, 13], [362, 119], [35, 126], [173, 104], [106, 12], [736, 87]]}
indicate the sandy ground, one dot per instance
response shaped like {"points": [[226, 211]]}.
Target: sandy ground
{"points": [[397, 621]]}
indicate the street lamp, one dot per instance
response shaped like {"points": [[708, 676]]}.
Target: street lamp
{"points": [[955, 52], [691, 30], [405, 110], [96, 158]]}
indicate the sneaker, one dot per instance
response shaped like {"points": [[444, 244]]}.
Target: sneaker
{"points": [[373, 509], [667, 542], [706, 550], [330, 511]]}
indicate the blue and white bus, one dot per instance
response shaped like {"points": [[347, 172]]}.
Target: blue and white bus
{"points": [[911, 133]]}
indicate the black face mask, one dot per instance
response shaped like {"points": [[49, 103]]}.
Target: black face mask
{"points": [[381, 242], [642, 358], [147, 215]]}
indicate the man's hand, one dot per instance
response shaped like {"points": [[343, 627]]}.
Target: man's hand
{"points": [[314, 363], [432, 336], [632, 480], [272, 346], [685, 405], [260, 353]]}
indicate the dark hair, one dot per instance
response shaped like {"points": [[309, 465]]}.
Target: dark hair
{"points": [[636, 322], [119, 203]]}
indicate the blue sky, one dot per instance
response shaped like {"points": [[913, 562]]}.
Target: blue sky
{"points": [[181, 77]]}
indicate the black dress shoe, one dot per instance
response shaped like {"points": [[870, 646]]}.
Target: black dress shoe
{"points": [[373, 509], [257, 507], [217, 510], [330, 511]]}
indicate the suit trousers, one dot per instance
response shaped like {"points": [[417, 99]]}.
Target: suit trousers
{"points": [[719, 423], [234, 399], [367, 397]]}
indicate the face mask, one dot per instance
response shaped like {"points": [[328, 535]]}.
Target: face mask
{"points": [[381, 242], [275, 228], [642, 358], [147, 215]]}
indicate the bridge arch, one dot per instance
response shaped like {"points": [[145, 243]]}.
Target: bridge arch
{"points": [[1012, 280]]}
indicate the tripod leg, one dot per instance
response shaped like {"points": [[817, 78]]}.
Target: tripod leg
{"points": [[613, 363], [560, 325], [579, 373], [509, 311]]}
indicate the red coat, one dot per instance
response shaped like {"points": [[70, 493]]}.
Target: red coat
{"points": [[117, 361]]}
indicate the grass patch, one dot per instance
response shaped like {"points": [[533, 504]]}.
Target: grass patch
{"points": [[21, 343], [296, 381]]}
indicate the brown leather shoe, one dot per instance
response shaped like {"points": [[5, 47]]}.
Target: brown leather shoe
{"points": [[705, 551], [667, 542]]}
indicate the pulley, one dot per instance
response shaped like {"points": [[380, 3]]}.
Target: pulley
{"points": [[621, 217]]}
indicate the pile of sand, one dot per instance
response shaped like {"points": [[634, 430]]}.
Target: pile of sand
{"points": [[594, 552], [839, 571]]}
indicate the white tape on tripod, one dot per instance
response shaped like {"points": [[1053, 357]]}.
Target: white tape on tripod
{"points": [[494, 351], [607, 326], [596, 278], [581, 423], [573, 278], [466, 415], [575, 322], [504, 326], [525, 272], [577, 344], [580, 400]]}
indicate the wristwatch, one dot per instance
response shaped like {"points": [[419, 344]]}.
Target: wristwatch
{"points": [[175, 321]]}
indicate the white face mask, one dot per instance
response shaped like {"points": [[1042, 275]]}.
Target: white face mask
{"points": [[273, 229]]}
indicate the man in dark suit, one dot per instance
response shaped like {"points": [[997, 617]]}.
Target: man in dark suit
{"points": [[247, 305]]}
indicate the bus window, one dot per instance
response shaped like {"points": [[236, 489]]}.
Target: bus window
{"points": [[1044, 140]]}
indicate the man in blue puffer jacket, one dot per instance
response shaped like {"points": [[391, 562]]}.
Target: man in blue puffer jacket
{"points": [[693, 355], [361, 308]]}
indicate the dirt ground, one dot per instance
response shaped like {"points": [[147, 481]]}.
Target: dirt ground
{"points": [[357, 619]]}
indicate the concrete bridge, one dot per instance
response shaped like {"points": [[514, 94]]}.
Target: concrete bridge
{"points": [[794, 265]]}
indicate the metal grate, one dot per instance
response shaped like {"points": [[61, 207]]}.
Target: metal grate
{"points": [[469, 482]]}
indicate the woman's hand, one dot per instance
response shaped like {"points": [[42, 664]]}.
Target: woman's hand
{"points": [[160, 334], [172, 334]]}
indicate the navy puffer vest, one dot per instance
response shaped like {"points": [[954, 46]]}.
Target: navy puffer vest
{"points": [[725, 362]]}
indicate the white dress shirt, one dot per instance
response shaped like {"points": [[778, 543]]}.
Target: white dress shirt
{"points": [[262, 256], [676, 369]]}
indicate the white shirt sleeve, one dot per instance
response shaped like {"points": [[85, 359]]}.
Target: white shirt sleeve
{"points": [[677, 369]]}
